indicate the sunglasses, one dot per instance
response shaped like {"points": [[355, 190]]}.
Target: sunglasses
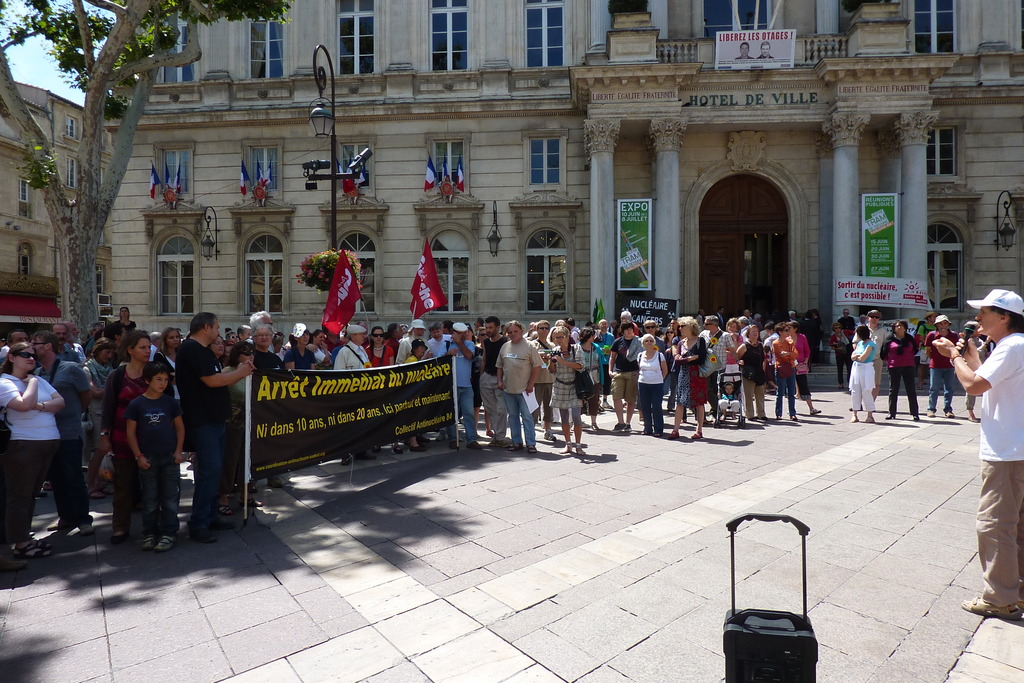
{"points": [[377, 335], [875, 317], [25, 354]]}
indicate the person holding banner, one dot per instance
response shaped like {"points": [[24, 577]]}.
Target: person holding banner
{"points": [[464, 351], [517, 366], [352, 355]]}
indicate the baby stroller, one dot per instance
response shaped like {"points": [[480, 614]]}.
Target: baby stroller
{"points": [[729, 397]]}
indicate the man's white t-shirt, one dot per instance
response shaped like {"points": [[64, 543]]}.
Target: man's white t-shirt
{"points": [[1002, 406]]}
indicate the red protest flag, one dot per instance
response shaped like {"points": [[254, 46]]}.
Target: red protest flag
{"points": [[342, 297], [426, 287]]}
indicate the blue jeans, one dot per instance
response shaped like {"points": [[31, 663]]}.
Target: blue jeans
{"points": [[466, 413], [650, 407], [208, 442], [939, 378], [161, 494], [519, 420], [70, 494], [786, 386]]}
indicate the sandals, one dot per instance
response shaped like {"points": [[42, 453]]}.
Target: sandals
{"points": [[673, 435], [515, 447], [568, 450], [37, 549], [397, 449], [225, 511], [696, 435], [815, 412], [986, 609], [531, 449]]}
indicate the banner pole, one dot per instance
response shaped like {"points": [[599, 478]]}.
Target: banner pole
{"points": [[248, 445], [455, 396]]}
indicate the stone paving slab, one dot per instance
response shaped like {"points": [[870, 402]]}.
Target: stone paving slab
{"points": [[484, 566]]}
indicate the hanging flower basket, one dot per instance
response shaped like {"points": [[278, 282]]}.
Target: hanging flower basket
{"points": [[317, 270]]}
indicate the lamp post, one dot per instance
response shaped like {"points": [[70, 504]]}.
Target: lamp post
{"points": [[494, 237], [209, 243], [322, 120], [1005, 229]]}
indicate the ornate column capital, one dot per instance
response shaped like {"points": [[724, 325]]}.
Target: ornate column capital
{"points": [[666, 135], [845, 129], [600, 135], [888, 143], [913, 128], [822, 144]]}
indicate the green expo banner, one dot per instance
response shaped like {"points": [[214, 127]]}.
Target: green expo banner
{"points": [[879, 216], [633, 220]]}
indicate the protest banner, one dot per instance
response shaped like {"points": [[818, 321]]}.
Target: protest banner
{"points": [[882, 291], [646, 308], [879, 219], [300, 418], [765, 49], [633, 220]]}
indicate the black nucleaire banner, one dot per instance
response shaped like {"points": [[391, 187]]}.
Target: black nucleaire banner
{"points": [[304, 417]]}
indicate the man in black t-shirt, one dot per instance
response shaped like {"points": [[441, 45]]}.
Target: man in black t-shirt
{"points": [[493, 397], [624, 364], [206, 407]]}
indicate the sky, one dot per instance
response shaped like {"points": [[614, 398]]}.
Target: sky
{"points": [[31, 64]]}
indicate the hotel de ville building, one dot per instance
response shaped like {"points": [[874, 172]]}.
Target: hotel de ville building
{"points": [[545, 113]]}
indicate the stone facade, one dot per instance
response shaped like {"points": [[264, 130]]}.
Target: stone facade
{"points": [[869, 106]]}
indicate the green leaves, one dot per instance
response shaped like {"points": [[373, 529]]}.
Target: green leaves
{"points": [[40, 166]]}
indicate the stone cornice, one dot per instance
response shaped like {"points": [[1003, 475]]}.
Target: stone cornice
{"points": [[586, 79], [925, 67]]}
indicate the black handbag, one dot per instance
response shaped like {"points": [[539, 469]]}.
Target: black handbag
{"points": [[584, 384], [5, 431]]}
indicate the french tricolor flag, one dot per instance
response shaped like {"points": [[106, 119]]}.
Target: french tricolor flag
{"points": [[430, 181], [154, 181], [244, 182], [444, 169], [177, 179], [460, 177]]}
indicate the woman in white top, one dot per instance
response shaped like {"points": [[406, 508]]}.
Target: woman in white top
{"points": [[653, 370], [31, 403]]}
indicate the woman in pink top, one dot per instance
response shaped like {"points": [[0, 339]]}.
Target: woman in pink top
{"points": [[803, 366], [898, 352]]}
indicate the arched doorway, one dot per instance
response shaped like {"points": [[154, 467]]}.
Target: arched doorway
{"points": [[743, 251]]}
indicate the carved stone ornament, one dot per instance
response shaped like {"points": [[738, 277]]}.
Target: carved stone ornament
{"points": [[845, 129], [600, 135], [822, 144], [913, 127], [888, 143], [666, 135], [746, 150]]}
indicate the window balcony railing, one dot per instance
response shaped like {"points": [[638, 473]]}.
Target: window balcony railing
{"points": [[809, 50]]}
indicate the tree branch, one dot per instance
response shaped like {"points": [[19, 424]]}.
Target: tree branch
{"points": [[188, 55], [88, 51], [117, 9], [122, 146], [204, 11], [12, 43]]}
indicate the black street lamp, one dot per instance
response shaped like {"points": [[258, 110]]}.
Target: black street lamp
{"points": [[210, 239], [494, 237], [1005, 229], [321, 120]]}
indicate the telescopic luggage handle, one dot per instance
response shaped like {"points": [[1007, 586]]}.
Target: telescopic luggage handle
{"points": [[734, 524]]}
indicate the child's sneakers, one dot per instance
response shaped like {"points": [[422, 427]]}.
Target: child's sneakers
{"points": [[148, 542], [165, 544]]}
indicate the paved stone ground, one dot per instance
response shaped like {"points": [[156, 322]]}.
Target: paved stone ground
{"points": [[491, 566]]}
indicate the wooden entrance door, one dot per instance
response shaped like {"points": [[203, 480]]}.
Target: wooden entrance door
{"points": [[737, 216]]}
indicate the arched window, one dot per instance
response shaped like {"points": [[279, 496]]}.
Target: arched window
{"points": [[363, 247], [945, 267], [176, 265], [264, 265], [451, 257], [24, 259], [545, 272]]}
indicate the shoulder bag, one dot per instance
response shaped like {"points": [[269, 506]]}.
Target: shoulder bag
{"points": [[583, 382], [5, 431]]}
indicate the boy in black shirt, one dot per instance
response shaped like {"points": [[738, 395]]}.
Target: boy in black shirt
{"points": [[156, 435]]}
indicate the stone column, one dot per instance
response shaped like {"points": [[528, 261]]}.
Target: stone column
{"points": [[666, 136], [397, 27], [890, 163], [600, 24], [600, 137], [495, 32], [823, 144], [826, 15], [912, 130], [844, 130]]}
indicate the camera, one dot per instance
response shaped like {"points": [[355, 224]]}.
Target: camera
{"points": [[360, 159], [556, 354], [316, 165]]}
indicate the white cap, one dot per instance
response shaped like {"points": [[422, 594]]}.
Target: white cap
{"points": [[942, 319], [1000, 298], [298, 330], [417, 323], [355, 329], [460, 327]]}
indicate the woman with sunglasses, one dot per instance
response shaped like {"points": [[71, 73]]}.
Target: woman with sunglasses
{"points": [[231, 474], [31, 403], [380, 353]]}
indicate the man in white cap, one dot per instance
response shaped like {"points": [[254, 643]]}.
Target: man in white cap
{"points": [[417, 330], [464, 351], [1000, 383], [940, 370], [352, 355]]}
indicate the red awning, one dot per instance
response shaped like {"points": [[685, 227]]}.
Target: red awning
{"points": [[28, 309]]}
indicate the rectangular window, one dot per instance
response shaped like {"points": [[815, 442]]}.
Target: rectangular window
{"points": [[453, 273], [355, 35], [101, 280], [347, 151], [266, 46], [545, 32], [70, 127], [751, 15], [180, 74], [934, 25], [448, 151], [264, 160], [449, 35], [941, 154], [175, 159], [71, 179], [177, 278], [545, 161], [24, 199]]}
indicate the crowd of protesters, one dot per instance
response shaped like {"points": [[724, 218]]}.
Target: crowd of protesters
{"points": [[130, 406]]}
